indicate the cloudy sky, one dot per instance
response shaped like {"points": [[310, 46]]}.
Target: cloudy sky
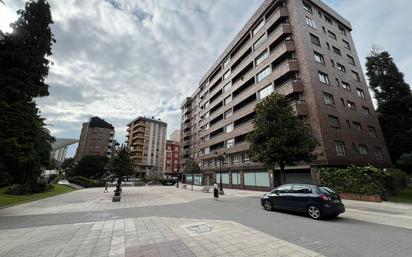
{"points": [[119, 59]]}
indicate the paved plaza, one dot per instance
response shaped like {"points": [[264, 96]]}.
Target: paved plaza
{"points": [[167, 221]]}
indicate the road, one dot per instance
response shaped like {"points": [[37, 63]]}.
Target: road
{"points": [[349, 235]]}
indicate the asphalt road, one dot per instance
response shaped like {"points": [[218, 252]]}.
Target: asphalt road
{"points": [[337, 237]]}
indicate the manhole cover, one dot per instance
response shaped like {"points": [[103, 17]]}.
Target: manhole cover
{"points": [[200, 229]]}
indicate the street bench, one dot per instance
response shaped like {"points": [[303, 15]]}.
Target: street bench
{"points": [[206, 189]]}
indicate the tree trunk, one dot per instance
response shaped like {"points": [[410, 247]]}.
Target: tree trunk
{"points": [[282, 173], [193, 179]]}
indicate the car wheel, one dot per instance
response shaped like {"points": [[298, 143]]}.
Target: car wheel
{"points": [[267, 205], [314, 212]]}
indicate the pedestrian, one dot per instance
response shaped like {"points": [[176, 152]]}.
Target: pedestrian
{"points": [[215, 191], [106, 184]]}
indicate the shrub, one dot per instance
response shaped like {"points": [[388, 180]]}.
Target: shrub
{"points": [[396, 180], [39, 186], [357, 180], [16, 189], [82, 181]]}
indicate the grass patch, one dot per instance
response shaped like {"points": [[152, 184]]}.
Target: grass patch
{"points": [[6, 199], [405, 196]]}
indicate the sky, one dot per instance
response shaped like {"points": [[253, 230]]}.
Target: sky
{"points": [[120, 59]]}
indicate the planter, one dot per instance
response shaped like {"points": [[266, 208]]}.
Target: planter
{"points": [[116, 198], [359, 197]]}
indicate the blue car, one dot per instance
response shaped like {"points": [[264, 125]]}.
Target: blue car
{"points": [[316, 201]]}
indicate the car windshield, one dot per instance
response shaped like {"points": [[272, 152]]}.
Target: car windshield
{"points": [[326, 190]]}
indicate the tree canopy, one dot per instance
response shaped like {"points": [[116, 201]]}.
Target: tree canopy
{"points": [[279, 137], [394, 99], [91, 166], [25, 143]]}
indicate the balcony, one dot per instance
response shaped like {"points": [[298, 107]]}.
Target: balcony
{"points": [[187, 143], [186, 152], [290, 87], [299, 107]]}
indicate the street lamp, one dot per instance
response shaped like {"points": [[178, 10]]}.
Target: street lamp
{"points": [[221, 158]]}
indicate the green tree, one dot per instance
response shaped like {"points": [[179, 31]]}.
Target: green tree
{"points": [[394, 99], [405, 162], [91, 166], [191, 167], [25, 143], [121, 165], [279, 137]]}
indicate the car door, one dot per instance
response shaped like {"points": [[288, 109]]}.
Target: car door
{"points": [[279, 195], [299, 197]]}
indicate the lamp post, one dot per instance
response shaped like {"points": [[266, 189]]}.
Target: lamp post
{"points": [[221, 158]]}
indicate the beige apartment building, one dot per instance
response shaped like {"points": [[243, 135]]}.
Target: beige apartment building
{"points": [[305, 51], [146, 140], [96, 138]]}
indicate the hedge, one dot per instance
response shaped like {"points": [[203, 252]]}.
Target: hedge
{"points": [[85, 182], [367, 180]]}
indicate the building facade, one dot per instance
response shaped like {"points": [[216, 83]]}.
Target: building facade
{"points": [[96, 138], [146, 140], [305, 51], [172, 162], [175, 136]]}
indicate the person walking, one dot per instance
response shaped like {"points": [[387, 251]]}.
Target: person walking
{"points": [[105, 187], [215, 191]]}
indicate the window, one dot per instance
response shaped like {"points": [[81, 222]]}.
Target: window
{"points": [[351, 105], [256, 179], [319, 57], [207, 150], [310, 22], [258, 27], [229, 128], [331, 34], [235, 178], [328, 20], [259, 42], [346, 86], [337, 82], [365, 111], [323, 78], [328, 98], [230, 143], [227, 87], [307, 7], [333, 63], [314, 39], [357, 126], [262, 57], [284, 189], [363, 149], [263, 74], [228, 113], [235, 159], [246, 158], [342, 30], [266, 91], [372, 131], [301, 189], [378, 153], [226, 62], [334, 122], [327, 44], [340, 148], [355, 76], [336, 50], [226, 75], [206, 115], [348, 123], [228, 100], [351, 60], [341, 67], [346, 44], [360, 93]]}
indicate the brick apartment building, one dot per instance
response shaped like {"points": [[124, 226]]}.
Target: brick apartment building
{"points": [[146, 140], [172, 161], [303, 50], [96, 138]]}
